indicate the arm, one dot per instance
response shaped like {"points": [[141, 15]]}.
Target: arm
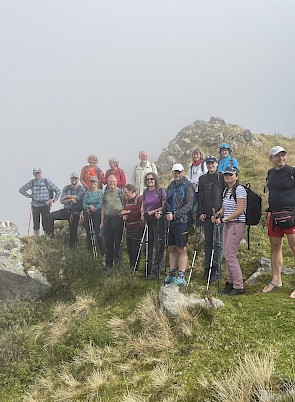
{"points": [[24, 188], [56, 191], [238, 211], [122, 179], [102, 217], [86, 204], [235, 163]]}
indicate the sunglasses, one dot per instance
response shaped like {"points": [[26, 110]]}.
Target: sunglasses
{"points": [[150, 179]]}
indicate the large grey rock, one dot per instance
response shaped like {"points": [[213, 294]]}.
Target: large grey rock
{"points": [[206, 135], [172, 301], [263, 267], [14, 281]]}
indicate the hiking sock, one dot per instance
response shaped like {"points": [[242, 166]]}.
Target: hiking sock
{"points": [[172, 272], [181, 274]]}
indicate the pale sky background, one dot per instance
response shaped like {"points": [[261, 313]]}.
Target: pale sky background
{"points": [[116, 76]]}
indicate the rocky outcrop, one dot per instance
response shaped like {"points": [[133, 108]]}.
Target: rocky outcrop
{"points": [[172, 301], [14, 281], [263, 267], [206, 135]]}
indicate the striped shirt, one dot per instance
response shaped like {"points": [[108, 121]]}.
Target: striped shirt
{"points": [[230, 205]]}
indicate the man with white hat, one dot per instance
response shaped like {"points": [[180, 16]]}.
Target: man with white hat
{"points": [[43, 194], [281, 198], [72, 197], [179, 201]]}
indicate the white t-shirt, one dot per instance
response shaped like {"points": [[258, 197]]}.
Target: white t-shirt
{"points": [[194, 173], [230, 205]]}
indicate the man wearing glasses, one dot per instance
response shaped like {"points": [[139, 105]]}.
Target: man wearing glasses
{"points": [[281, 187], [180, 197], [72, 197]]}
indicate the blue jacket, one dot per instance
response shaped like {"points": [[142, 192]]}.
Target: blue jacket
{"points": [[225, 162]]}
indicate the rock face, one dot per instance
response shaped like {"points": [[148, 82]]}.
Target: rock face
{"points": [[13, 280], [172, 301], [208, 136]]}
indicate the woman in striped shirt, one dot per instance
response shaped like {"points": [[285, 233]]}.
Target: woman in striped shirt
{"points": [[233, 215]]}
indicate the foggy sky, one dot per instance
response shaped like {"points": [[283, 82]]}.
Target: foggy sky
{"points": [[113, 77]]}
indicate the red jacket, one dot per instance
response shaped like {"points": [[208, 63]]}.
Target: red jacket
{"points": [[120, 175]]}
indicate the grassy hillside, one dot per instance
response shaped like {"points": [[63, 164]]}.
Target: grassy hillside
{"points": [[100, 336]]}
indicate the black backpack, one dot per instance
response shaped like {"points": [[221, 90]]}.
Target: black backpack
{"points": [[254, 208]]}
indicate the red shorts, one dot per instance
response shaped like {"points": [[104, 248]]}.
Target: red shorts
{"points": [[275, 231]]}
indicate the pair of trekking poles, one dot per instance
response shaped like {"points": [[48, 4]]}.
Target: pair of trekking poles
{"points": [[145, 240]]}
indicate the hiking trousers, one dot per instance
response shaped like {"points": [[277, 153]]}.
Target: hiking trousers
{"points": [[213, 239], [73, 220], [43, 213], [233, 233], [156, 245], [133, 239], [113, 231]]}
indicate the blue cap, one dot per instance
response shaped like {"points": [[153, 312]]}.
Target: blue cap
{"points": [[211, 159], [231, 170]]}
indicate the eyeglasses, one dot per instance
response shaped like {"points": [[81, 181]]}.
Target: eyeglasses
{"points": [[150, 179]]}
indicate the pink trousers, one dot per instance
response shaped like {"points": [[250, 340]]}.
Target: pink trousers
{"points": [[233, 233]]}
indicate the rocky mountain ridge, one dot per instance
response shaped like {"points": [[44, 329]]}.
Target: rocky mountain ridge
{"points": [[206, 135]]}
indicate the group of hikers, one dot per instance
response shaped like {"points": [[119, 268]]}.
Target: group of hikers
{"points": [[151, 217]]}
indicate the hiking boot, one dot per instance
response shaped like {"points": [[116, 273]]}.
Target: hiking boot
{"points": [[180, 281], [169, 280], [235, 292], [228, 287]]}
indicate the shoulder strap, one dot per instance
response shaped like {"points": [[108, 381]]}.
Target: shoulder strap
{"points": [[143, 194], [85, 172], [160, 195]]}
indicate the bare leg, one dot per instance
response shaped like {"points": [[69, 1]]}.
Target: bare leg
{"points": [[182, 258], [173, 257], [276, 264], [291, 241]]}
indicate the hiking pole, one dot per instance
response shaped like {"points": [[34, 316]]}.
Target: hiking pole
{"points": [[167, 231], [219, 273], [30, 220], [92, 234], [139, 249], [212, 257], [146, 250], [198, 239], [122, 241], [158, 250]]}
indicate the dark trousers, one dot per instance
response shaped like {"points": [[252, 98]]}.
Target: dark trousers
{"points": [[213, 238], [94, 219], [113, 230], [133, 239], [62, 215], [42, 212], [156, 245]]}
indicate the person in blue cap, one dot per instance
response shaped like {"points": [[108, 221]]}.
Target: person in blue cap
{"points": [[226, 158]]}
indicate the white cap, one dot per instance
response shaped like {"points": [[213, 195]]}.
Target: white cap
{"points": [[276, 150], [177, 166]]}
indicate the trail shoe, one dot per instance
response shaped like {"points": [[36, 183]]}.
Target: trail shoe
{"points": [[235, 292], [171, 277], [180, 280]]}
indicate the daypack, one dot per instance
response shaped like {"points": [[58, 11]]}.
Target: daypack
{"points": [[99, 174], [253, 210], [49, 188]]}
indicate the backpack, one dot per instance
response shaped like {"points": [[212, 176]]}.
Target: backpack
{"points": [[99, 174], [253, 210], [49, 188]]}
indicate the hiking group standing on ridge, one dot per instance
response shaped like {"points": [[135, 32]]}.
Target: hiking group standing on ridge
{"points": [[154, 219]]}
